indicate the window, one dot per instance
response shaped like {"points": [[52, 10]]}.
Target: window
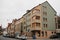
{"points": [[44, 13], [38, 24], [37, 17], [45, 25], [36, 11], [44, 19], [33, 24]]}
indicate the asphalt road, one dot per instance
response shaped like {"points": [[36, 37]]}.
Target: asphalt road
{"points": [[5, 38]]}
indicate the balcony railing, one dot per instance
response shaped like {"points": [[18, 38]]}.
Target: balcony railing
{"points": [[36, 14], [35, 21], [35, 28]]}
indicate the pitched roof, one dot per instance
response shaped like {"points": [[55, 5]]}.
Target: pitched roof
{"points": [[49, 5], [38, 5]]}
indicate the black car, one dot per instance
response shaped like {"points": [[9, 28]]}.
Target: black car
{"points": [[53, 36]]}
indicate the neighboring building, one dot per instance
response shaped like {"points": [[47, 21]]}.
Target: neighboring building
{"points": [[58, 27], [40, 20], [18, 27], [13, 28], [9, 28]]}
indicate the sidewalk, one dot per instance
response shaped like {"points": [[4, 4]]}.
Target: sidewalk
{"points": [[30, 38], [43, 39]]}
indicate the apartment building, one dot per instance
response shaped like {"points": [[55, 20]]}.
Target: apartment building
{"points": [[58, 27], [40, 21], [12, 30], [9, 28], [19, 25], [16, 27]]}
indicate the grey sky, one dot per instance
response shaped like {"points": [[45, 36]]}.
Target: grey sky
{"points": [[11, 9]]}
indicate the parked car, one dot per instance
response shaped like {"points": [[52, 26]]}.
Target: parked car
{"points": [[53, 36], [12, 36], [58, 34], [23, 37], [17, 36], [4, 33], [7, 35]]}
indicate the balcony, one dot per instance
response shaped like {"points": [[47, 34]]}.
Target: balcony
{"points": [[38, 14], [35, 21], [35, 28], [24, 25]]}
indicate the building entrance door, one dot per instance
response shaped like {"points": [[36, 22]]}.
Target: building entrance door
{"points": [[36, 32]]}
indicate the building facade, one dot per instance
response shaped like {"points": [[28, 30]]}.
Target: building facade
{"points": [[40, 20], [9, 28], [12, 30], [58, 27]]}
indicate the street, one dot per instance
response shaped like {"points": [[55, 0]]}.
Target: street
{"points": [[5, 38]]}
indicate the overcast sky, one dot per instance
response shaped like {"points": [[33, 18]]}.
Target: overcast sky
{"points": [[11, 9]]}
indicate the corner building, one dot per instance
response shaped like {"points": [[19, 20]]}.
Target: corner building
{"points": [[40, 21]]}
